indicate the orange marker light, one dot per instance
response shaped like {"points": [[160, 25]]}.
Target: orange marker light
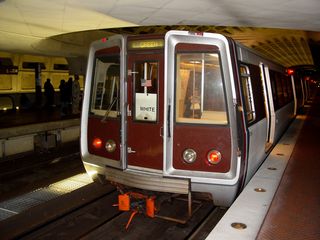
{"points": [[97, 143]]}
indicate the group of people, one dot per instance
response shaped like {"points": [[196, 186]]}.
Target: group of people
{"points": [[69, 95]]}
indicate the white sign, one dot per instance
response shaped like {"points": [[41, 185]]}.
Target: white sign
{"points": [[146, 107]]}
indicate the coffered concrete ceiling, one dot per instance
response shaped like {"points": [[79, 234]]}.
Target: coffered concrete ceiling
{"points": [[285, 30]]}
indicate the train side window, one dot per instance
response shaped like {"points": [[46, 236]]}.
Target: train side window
{"points": [[33, 65], [106, 89], [7, 67], [247, 93], [145, 91], [285, 89], [60, 67], [289, 84], [274, 89], [200, 95], [5, 62], [280, 94]]}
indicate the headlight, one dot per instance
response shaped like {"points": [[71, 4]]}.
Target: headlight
{"points": [[189, 155], [110, 146]]}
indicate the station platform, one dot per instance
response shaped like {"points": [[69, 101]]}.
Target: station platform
{"points": [[282, 200], [22, 117], [295, 210], [24, 131]]}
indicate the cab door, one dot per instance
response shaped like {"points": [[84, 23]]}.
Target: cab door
{"points": [[103, 110], [200, 130], [144, 111]]}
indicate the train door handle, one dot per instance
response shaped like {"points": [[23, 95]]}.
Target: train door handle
{"points": [[130, 150], [168, 121], [129, 113]]}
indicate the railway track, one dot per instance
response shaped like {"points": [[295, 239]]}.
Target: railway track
{"points": [[88, 213], [17, 165], [22, 175], [36, 164]]}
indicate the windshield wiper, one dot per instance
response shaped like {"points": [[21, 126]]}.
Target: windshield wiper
{"points": [[109, 109]]}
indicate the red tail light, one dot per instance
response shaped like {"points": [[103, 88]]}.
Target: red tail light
{"points": [[214, 157], [97, 143], [290, 71]]}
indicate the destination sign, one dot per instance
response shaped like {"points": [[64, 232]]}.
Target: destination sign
{"points": [[146, 44]]}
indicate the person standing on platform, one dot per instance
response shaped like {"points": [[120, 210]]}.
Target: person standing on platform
{"points": [[49, 93], [69, 94], [75, 95], [63, 98]]}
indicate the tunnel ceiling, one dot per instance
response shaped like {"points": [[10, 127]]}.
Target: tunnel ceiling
{"points": [[287, 47], [66, 27]]}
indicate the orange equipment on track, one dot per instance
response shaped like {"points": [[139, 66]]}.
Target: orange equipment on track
{"points": [[137, 203]]}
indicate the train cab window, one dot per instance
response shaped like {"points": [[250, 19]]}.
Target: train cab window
{"points": [[145, 91], [247, 93], [106, 89], [200, 95]]}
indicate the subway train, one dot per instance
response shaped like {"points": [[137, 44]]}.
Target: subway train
{"points": [[17, 76], [182, 112]]}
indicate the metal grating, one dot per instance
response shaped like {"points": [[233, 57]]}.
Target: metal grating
{"points": [[84, 177], [16, 205], [44, 194], [5, 214], [67, 185], [19, 204]]}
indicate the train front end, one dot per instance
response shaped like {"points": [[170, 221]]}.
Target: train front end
{"points": [[159, 114]]}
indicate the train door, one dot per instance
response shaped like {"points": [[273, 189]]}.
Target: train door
{"points": [[200, 130], [303, 91], [269, 106], [306, 89], [103, 113], [294, 91], [145, 110]]}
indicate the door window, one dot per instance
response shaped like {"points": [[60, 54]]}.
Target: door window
{"points": [[146, 91], [106, 90], [199, 89], [247, 92]]}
